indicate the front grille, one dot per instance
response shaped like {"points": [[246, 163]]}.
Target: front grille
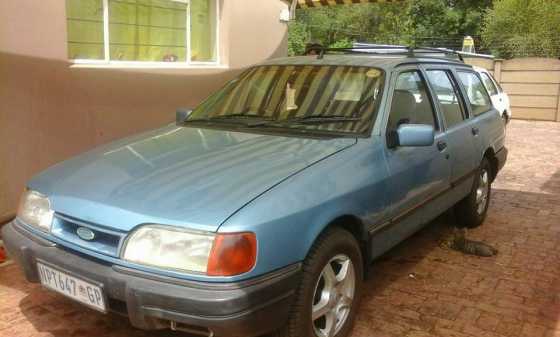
{"points": [[106, 241]]}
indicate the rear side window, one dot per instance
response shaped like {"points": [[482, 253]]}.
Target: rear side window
{"points": [[500, 89], [478, 96], [489, 84], [411, 104], [448, 97]]}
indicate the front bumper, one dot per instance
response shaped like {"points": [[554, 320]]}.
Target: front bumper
{"points": [[248, 308]]}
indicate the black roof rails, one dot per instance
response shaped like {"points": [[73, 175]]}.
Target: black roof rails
{"points": [[382, 50]]}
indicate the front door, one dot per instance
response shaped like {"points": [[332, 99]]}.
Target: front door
{"points": [[418, 175]]}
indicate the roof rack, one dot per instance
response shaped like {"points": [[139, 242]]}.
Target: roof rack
{"points": [[426, 52]]}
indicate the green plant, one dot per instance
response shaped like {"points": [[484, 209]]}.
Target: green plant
{"points": [[521, 28], [343, 43], [298, 38], [441, 23]]}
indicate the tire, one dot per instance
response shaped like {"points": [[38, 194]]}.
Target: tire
{"points": [[335, 248], [472, 210]]}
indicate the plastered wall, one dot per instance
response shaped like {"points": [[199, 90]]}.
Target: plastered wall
{"points": [[50, 111]]}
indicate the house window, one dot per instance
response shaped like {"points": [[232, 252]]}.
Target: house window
{"points": [[163, 31]]}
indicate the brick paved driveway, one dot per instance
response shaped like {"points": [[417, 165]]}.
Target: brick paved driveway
{"points": [[418, 289]]}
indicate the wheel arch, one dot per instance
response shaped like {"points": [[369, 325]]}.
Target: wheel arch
{"points": [[505, 115], [490, 155], [355, 226]]}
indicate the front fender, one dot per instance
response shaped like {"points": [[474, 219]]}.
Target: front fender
{"points": [[288, 219]]}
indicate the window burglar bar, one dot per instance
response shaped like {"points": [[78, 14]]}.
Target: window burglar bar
{"points": [[128, 24], [143, 31]]}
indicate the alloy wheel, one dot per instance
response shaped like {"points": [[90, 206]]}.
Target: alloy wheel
{"points": [[333, 296], [482, 192]]}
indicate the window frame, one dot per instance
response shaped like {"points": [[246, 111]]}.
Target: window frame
{"points": [[457, 88], [466, 94], [188, 63], [438, 127], [498, 85], [483, 74]]}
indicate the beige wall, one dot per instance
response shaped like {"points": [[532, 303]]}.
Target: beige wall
{"points": [[50, 111], [533, 85]]}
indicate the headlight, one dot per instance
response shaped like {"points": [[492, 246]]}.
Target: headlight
{"points": [[190, 251], [169, 247], [35, 210]]}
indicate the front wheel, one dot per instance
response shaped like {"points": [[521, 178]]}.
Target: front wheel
{"points": [[472, 210], [328, 296]]}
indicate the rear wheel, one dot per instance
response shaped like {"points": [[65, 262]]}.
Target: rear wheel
{"points": [[472, 210], [328, 296]]}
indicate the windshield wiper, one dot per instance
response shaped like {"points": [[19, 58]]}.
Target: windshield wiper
{"points": [[241, 116], [320, 119], [238, 117]]}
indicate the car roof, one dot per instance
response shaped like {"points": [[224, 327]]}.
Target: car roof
{"points": [[385, 62]]}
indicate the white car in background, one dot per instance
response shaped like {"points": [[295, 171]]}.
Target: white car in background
{"points": [[499, 97]]}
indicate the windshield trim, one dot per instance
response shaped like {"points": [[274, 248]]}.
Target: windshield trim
{"points": [[296, 131]]}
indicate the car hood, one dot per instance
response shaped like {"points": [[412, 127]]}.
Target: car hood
{"points": [[190, 177]]}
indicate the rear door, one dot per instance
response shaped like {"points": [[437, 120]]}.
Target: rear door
{"points": [[463, 159], [486, 124]]}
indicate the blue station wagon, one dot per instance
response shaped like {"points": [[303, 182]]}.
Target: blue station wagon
{"points": [[261, 210]]}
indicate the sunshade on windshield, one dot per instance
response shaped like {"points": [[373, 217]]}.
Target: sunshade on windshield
{"points": [[322, 98]]}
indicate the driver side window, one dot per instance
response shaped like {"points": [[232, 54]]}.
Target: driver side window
{"points": [[411, 103]]}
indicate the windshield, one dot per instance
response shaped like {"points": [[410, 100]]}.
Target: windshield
{"points": [[333, 99]]}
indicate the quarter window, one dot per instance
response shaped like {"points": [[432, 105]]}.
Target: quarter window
{"points": [[478, 96], [142, 30], [500, 89], [411, 104], [489, 84], [446, 91]]}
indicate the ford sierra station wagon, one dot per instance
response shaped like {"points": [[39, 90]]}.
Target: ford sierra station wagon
{"points": [[261, 210]]}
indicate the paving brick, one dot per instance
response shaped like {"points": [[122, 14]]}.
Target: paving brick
{"points": [[509, 328], [530, 330], [488, 322]]}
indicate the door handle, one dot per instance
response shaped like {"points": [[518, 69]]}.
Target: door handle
{"points": [[475, 131], [441, 145]]}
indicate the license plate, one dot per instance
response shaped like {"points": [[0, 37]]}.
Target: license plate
{"points": [[73, 287]]}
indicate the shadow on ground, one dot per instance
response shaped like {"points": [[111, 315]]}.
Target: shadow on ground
{"points": [[553, 183]]}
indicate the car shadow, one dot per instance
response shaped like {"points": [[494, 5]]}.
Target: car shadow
{"points": [[62, 317], [552, 185]]}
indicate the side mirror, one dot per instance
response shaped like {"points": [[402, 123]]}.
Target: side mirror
{"points": [[181, 115], [412, 135]]}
